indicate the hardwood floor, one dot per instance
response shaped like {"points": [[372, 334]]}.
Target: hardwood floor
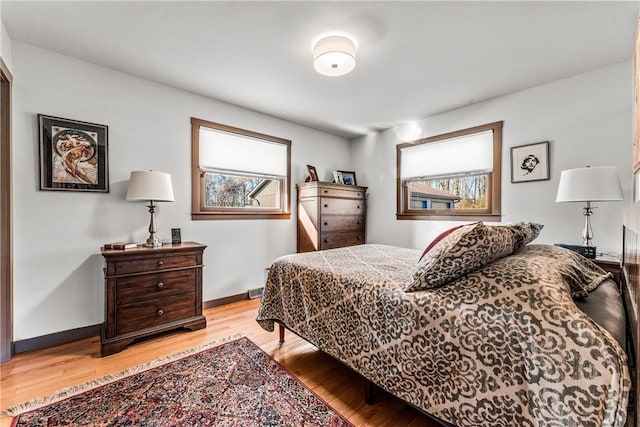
{"points": [[40, 373]]}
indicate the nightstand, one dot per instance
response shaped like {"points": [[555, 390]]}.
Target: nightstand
{"points": [[611, 264], [151, 290]]}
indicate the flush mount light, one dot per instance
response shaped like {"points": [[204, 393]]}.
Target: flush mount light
{"points": [[334, 56]]}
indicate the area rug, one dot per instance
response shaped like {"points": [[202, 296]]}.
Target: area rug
{"points": [[231, 384]]}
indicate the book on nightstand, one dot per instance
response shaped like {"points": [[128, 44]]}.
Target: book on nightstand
{"points": [[120, 245]]}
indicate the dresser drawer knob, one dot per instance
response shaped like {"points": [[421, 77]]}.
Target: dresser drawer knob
{"points": [[160, 285], [359, 222], [160, 312], [358, 194], [326, 191], [358, 206], [359, 237], [326, 240], [326, 223], [326, 205], [160, 263]]}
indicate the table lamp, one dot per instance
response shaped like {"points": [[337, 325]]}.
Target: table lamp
{"points": [[589, 184], [150, 186]]}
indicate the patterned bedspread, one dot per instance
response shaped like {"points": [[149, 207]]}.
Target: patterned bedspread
{"points": [[502, 346]]}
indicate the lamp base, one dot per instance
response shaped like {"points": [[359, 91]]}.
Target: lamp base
{"points": [[153, 241]]}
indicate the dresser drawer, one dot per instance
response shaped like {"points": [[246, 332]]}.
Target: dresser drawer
{"points": [[141, 315], [331, 192], [341, 206], [341, 238], [156, 263], [134, 289], [342, 223]]}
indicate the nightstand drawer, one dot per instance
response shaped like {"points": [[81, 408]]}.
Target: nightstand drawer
{"points": [[341, 206], [156, 312], [134, 289], [342, 223], [341, 238], [156, 263]]}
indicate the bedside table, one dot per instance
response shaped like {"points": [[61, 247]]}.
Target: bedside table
{"points": [[151, 290], [611, 264]]}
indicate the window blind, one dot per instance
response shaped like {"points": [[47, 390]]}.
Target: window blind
{"points": [[448, 157], [230, 152]]}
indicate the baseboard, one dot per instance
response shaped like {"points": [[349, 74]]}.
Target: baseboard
{"points": [[226, 300], [56, 338], [70, 335]]}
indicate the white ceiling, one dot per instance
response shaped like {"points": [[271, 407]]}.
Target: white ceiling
{"points": [[414, 60]]}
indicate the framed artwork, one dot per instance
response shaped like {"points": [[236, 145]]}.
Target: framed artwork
{"points": [[530, 162], [73, 155], [313, 175], [337, 177], [348, 177]]}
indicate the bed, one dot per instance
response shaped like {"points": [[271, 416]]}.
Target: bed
{"points": [[482, 331]]}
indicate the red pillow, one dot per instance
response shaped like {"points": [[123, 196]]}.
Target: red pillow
{"points": [[440, 237]]}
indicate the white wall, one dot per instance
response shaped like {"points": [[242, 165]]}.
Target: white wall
{"points": [[58, 281], [5, 43], [586, 118]]}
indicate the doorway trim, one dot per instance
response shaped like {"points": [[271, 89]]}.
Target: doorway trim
{"points": [[6, 215]]}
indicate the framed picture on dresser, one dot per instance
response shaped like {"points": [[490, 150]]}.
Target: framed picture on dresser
{"points": [[348, 177], [313, 175]]}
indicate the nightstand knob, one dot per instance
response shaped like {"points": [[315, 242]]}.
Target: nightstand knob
{"points": [[358, 206], [359, 238], [160, 285], [359, 222], [160, 263], [326, 240], [326, 205], [326, 223], [160, 312]]}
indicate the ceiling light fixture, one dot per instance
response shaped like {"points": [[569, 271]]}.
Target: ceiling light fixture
{"points": [[334, 56]]}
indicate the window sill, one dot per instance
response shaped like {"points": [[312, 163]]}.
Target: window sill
{"points": [[457, 217], [200, 216]]}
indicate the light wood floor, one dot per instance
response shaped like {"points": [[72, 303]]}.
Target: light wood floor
{"points": [[40, 373]]}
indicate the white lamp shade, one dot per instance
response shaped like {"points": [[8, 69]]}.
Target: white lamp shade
{"points": [[334, 56], [150, 185], [590, 184]]}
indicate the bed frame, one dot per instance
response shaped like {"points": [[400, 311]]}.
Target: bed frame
{"points": [[631, 297]]}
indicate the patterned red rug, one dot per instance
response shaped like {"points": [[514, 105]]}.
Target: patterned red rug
{"points": [[231, 384]]}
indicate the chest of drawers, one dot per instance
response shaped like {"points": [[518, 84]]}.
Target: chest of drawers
{"points": [[330, 215], [151, 290]]}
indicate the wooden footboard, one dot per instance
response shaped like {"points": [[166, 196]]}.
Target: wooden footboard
{"points": [[631, 294]]}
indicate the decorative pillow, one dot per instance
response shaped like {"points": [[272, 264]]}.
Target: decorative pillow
{"points": [[468, 248], [440, 237], [524, 232]]}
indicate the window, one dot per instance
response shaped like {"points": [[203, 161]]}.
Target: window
{"points": [[451, 176], [238, 174]]}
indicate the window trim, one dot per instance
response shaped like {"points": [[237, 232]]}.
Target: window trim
{"points": [[493, 211], [198, 211]]}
